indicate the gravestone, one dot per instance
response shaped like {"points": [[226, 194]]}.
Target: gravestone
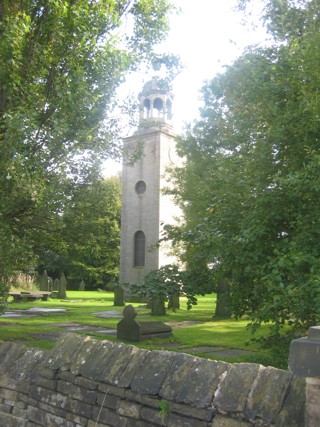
{"points": [[62, 290], [50, 283], [118, 300], [55, 285], [43, 282], [129, 329], [82, 285], [157, 307]]}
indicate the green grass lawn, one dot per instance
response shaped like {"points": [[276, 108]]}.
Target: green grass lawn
{"points": [[201, 330]]}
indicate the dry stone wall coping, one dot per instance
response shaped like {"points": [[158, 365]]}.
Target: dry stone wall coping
{"points": [[87, 382]]}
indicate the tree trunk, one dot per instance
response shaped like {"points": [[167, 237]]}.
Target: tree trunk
{"points": [[223, 307], [174, 302]]}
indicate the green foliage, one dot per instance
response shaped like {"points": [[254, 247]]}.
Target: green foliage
{"points": [[4, 289], [161, 283], [164, 409], [199, 329], [61, 63], [249, 188], [23, 281], [87, 248], [166, 283]]}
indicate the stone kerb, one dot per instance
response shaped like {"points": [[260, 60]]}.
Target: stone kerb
{"points": [[85, 382]]}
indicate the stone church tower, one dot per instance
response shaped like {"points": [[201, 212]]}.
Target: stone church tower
{"points": [[144, 207]]}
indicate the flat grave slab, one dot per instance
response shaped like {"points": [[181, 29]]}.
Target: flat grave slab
{"points": [[91, 329], [183, 323], [110, 314], [40, 310], [16, 315], [114, 314], [218, 351], [29, 296], [54, 335], [88, 329], [33, 312]]}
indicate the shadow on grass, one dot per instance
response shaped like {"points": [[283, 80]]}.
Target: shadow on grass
{"points": [[82, 306]]}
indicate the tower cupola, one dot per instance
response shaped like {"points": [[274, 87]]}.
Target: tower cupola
{"points": [[155, 104]]}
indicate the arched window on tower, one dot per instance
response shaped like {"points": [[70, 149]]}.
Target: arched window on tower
{"points": [[139, 249], [158, 106], [146, 108]]}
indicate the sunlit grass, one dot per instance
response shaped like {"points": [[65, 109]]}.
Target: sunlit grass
{"points": [[199, 329]]}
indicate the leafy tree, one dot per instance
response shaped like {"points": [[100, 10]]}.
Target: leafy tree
{"points": [[159, 286], [167, 283], [61, 62], [89, 243], [250, 184]]}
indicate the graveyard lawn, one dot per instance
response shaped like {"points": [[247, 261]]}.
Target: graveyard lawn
{"points": [[93, 313]]}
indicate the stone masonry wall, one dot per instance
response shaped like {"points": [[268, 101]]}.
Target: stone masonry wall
{"points": [[86, 382]]}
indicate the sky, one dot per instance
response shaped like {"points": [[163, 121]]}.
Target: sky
{"points": [[207, 35]]}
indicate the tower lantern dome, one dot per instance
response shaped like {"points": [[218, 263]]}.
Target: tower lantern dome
{"points": [[155, 103]]}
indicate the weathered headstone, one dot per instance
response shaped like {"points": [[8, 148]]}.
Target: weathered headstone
{"points": [[43, 282], [128, 328], [82, 285], [157, 307], [55, 285], [62, 290], [304, 361], [50, 283], [118, 300]]}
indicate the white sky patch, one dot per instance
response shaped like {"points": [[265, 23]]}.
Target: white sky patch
{"points": [[207, 35]]}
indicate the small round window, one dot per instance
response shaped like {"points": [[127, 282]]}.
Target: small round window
{"points": [[140, 187]]}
